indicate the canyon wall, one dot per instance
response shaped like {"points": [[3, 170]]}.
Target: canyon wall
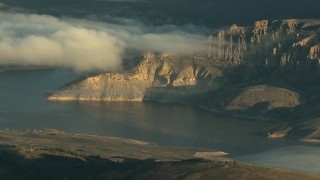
{"points": [[288, 45]]}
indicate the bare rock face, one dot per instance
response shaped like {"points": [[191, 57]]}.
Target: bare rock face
{"points": [[287, 44], [155, 71], [273, 97], [315, 53]]}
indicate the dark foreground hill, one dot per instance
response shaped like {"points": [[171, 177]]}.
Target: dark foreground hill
{"points": [[51, 154]]}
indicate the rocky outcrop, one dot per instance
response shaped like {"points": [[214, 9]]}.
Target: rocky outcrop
{"points": [[282, 44], [289, 44], [303, 130], [155, 74], [272, 97], [231, 45]]}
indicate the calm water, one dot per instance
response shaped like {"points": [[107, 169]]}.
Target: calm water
{"points": [[23, 107]]}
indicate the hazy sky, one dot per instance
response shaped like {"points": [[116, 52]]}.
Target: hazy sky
{"points": [[210, 13]]}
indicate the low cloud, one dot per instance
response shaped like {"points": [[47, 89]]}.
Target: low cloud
{"points": [[138, 36], [47, 41], [41, 40]]}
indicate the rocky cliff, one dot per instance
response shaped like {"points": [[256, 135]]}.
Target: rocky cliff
{"points": [[291, 44], [155, 74], [281, 44]]}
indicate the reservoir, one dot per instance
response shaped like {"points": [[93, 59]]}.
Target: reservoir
{"points": [[23, 106]]}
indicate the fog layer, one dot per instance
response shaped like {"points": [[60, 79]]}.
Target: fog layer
{"points": [[44, 40]]}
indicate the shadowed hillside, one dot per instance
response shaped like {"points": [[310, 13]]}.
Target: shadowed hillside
{"points": [[41, 156]]}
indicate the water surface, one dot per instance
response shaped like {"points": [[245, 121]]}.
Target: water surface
{"points": [[23, 107]]}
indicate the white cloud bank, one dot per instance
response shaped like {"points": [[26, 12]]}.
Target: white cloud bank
{"points": [[143, 38], [45, 40], [27, 39]]}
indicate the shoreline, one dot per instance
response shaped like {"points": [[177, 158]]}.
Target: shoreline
{"points": [[276, 134], [45, 144]]}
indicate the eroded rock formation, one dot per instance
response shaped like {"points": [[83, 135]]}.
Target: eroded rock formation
{"points": [[290, 44], [282, 44], [272, 97], [154, 71]]}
